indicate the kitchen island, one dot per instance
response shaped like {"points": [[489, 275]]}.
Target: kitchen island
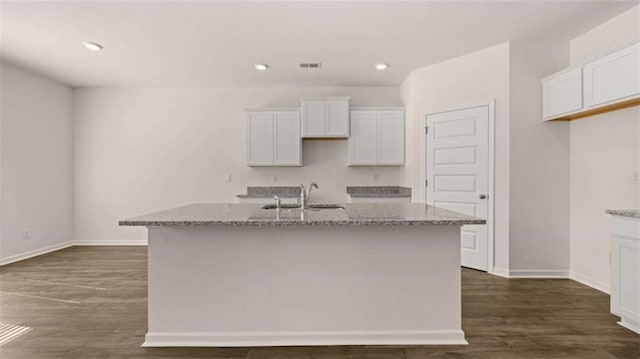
{"points": [[364, 274]]}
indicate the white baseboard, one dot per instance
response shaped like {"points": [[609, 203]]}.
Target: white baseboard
{"points": [[593, 283], [35, 252], [630, 324], [132, 242], [251, 339], [500, 272], [530, 273], [538, 273]]}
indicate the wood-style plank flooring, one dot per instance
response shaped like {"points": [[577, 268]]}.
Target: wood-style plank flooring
{"points": [[90, 302]]}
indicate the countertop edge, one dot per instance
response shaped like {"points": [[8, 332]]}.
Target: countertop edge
{"points": [[380, 195], [629, 213], [293, 223]]}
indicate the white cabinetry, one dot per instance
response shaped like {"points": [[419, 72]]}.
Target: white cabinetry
{"points": [[325, 117], [608, 82], [625, 272], [562, 93], [377, 137], [273, 137], [613, 77]]}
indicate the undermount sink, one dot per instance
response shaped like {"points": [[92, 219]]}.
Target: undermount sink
{"points": [[309, 207]]}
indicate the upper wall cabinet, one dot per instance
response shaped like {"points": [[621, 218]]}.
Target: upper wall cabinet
{"points": [[377, 137], [273, 137], [562, 94], [607, 83], [613, 77], [326, 117]]}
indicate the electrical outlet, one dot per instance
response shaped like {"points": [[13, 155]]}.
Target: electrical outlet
{"points": [[227, 177], [26, 234], [635, 178], [275, 178], [374, 177]]}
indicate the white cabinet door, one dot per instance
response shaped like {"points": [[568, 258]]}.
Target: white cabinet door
{"points": [[313, 118], [273, 138], [625, 272], [325, 117], [376, 138], [260, 143], [562, 94], [613, 77], [337, 118], [288, 141], [363, 143], [391, 137]]}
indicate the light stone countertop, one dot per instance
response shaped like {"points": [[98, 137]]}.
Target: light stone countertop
{"points": [[353, 214], [633, 213], [379, 191], [270, 191]]}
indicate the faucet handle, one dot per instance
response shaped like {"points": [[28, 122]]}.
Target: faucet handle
{"points": [[277, 201]]}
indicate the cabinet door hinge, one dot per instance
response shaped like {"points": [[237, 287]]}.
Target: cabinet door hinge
{"points": [[426, 183], [426, 130]]}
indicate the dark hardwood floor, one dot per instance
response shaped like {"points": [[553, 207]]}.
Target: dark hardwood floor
{"points": [[90, 302]]}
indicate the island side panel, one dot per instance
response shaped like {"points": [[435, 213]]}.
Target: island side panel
{"points": [[320, 285]]}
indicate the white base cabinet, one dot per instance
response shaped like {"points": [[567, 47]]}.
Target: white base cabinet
{"points": [[377, 137], [625, 272], [273, 137]]}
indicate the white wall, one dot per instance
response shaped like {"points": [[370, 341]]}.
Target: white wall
{"points": [[468, 79], [36, 163], [605, 152], [531, 157], [140, 150], [539, 166]]}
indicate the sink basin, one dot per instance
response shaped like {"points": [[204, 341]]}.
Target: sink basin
{"points": [[282, 206], [309, 207]]}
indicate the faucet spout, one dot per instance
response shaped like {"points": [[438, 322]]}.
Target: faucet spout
{"points": [[312, 186], [303, 197]]}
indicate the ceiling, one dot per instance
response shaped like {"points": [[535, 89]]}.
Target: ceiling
{"points": [[216, 44]]}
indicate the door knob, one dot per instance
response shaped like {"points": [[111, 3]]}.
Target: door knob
{"points": [[483, 196]]}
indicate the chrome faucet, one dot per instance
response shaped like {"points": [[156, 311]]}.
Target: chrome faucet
{"points": [[304, 195]]}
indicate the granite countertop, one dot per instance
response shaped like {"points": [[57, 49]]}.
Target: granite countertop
{"points": [[379, 191], [633, 213], [269, 192], [353, 214]]}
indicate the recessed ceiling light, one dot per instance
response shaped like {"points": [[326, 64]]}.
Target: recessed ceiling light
{"points": [[381, 66], [92, 46], [261, 67]]}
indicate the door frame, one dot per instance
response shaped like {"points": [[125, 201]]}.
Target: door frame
{"points": [[490, 104]]}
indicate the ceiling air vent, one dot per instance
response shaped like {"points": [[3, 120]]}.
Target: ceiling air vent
{"points": [[309, 65]]}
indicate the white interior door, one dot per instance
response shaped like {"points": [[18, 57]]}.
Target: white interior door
{"points": [[457, 172]]}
